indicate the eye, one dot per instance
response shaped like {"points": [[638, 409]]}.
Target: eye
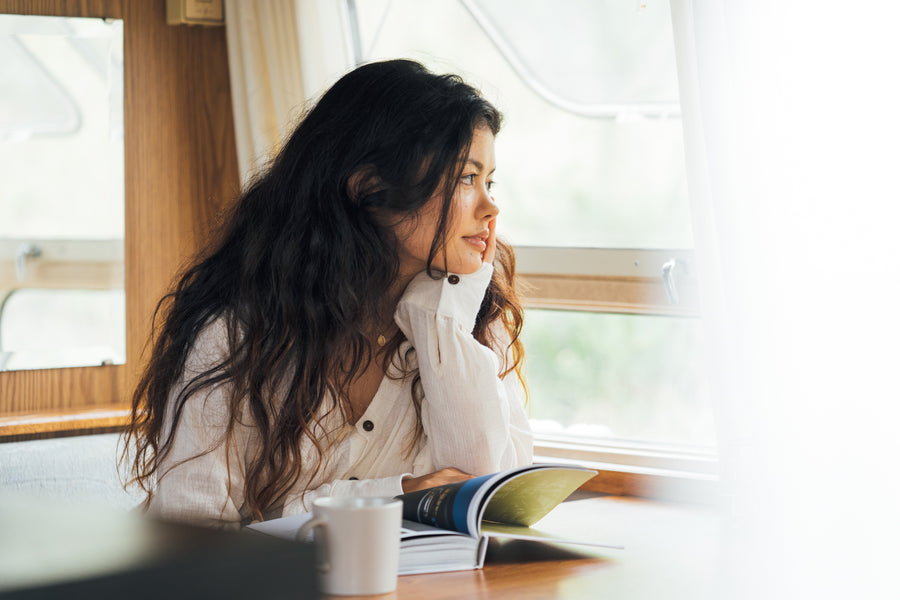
{"points": [[468, 179], [490, 185]]}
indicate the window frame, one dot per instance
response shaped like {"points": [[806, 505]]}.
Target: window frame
{"points": [[66, 263], [610, 280], [635, 281], [623, 281], [166, 218]]}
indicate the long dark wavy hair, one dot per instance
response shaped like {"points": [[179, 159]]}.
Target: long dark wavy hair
{"points": [[300, 265]]}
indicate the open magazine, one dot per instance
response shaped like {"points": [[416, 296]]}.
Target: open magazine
{"points": [[446, 528]]}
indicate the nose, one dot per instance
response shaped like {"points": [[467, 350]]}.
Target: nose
{"points": [[487, 206]]}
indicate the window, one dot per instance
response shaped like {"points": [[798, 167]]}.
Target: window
{"points": [[62, 301], [61, 327], [591, 166]]}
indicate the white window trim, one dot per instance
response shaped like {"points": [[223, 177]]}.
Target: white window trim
{"points": [[630, 281], [625, 453], [61, 263], [655, 460], [653, 110]]}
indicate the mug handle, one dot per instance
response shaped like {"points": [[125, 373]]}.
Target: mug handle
{"points": [[324, 566]]}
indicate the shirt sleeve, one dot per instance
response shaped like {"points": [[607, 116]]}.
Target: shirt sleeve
{"points": [[473, 420], [201, 477]]}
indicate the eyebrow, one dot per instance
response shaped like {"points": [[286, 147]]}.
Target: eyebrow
{"points": [[478, 164]]}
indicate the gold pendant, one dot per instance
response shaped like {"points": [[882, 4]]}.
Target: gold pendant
{"points": [[381, 341]]}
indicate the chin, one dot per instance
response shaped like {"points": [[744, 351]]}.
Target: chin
{"points": [[466, 268], [465, 263]]}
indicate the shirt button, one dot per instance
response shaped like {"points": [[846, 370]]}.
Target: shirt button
{"points": [[453, 279], [368, 425]]}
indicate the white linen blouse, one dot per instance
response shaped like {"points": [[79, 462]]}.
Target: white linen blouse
{"points": [[472, 419]]}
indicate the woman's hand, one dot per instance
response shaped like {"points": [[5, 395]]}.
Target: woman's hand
{"points": [[488, 256], [451, 475]]}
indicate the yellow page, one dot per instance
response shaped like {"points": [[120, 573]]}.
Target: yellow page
{"points": [[527, 498]]}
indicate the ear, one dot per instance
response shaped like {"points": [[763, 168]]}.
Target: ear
{"points": [[363, 181]]}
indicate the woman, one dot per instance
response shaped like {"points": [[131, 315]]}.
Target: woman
{"points": [[355, 330]]}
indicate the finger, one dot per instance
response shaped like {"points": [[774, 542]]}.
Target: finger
{"points": [[491, 250]]}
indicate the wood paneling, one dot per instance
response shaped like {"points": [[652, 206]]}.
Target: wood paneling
{"points": [[65, 8], [75, 421], [180, 171]]}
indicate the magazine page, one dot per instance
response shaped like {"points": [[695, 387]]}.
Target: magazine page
{"points": [[287, 528], [444, 506], [527, 497], [524, 495], [423, 549], [518, 532], [282, 527], [454, 506], [414, 529]]}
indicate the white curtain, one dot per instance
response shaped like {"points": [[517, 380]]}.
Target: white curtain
{"points": [[282, 54], [791, 132]]}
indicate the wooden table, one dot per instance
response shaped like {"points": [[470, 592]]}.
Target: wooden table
{"points": [[671, 551]]}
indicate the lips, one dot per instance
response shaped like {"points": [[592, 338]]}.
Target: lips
{"points": [[479, 240]]}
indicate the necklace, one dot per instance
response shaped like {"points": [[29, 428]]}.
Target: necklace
{"points": [[381, 340]]}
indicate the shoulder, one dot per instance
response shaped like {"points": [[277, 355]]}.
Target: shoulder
{"points": [[206, 401], [209, 348]]}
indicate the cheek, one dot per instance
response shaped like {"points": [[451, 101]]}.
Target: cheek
{"points": [[463, 202], [427, 227], [420, 244], [415, 237]]}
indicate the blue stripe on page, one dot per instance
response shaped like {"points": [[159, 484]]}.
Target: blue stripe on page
{"points": [[462, 500]]}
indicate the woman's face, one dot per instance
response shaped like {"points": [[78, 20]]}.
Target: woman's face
{"points": [[470, 234]]}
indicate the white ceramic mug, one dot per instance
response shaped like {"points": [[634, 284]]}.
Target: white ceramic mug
{"points": [[359, 544]]}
